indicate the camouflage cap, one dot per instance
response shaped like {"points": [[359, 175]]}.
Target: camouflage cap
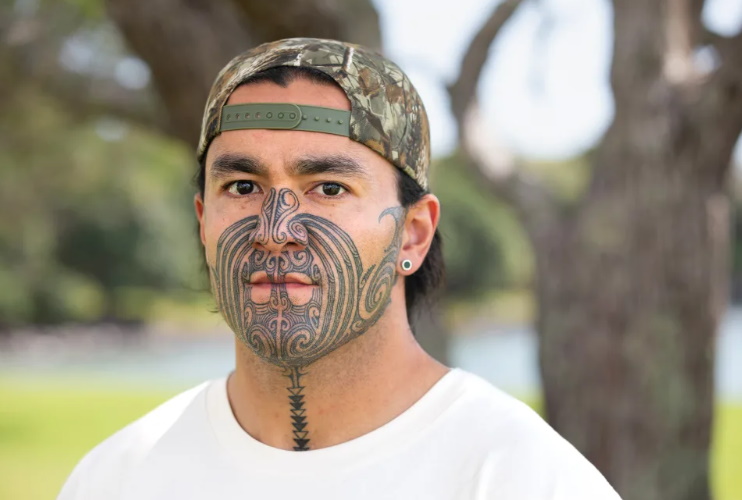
{"points": [[386, 114]]}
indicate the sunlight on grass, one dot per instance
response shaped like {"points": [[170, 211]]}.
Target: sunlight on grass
{"points": [[46, 429], [726, 456]]}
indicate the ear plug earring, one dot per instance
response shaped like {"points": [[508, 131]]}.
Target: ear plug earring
{"points": [[406, 265]]}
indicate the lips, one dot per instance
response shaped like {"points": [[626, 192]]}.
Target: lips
{"points": [[289, 279]]}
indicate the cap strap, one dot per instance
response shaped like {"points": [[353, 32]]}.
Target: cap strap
{"points": [[285, 116]]}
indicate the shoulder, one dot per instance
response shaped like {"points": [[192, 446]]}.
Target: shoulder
{"points": [[490, 409], [520, 454], [106, 466]]}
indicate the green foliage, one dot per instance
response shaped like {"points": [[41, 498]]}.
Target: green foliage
{"points": [[483, 245], [90, 10], [567, 178], [88, 220]]}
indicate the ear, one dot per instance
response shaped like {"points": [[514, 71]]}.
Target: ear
{"points": [[420, 225], [198, 205]]}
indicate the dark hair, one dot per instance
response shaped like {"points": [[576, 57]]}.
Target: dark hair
{"points": [[420, 287]]}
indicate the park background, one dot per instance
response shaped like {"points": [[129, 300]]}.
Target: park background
{"points": [[104, 311]]}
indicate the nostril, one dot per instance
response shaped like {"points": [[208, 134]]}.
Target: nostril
{"points": [[298, 232]]}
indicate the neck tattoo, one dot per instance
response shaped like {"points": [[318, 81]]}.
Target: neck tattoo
{"points": [[346, 299], [296, 399]]}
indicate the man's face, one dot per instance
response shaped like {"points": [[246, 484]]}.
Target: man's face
{"points": [[301, 231]]}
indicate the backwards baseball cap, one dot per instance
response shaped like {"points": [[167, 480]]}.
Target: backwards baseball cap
{"points": [[386, 115]]}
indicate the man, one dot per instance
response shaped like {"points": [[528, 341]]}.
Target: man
{"points": [[320, 235]]}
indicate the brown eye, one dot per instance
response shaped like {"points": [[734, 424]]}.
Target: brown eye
{"points": [[241, 188], [332, 189]]}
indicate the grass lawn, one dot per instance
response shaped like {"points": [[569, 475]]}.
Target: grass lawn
{"points": [[726, 457], [45, 428]]}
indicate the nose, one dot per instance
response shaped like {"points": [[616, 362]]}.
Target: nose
{"points": [[277, 224]]}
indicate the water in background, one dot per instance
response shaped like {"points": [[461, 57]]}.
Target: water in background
{"points": [[509, 359], [504, 356]]}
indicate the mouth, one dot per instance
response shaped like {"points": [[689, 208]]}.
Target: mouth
{"points": [[289, 280]]}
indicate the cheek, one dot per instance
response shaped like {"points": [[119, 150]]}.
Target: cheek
{"points": [[214, 226], [371, 239]]}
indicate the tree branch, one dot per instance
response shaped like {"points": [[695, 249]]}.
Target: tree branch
{"points": [[696, 17], [491, 163], [29, 55], [708, 37], [639, 51], [720, 102], [185, 43], [730, 49], [87, 96], [498, 170], [463, 90], [327, 19]]}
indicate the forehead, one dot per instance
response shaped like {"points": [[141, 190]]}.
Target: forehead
{"points": [[299, 91], [285, 147]]}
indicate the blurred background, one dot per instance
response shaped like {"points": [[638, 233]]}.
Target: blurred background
{"points": [[584, 154]]}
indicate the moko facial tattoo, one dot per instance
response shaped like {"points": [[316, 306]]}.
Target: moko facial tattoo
{"points": [[283, 328]]}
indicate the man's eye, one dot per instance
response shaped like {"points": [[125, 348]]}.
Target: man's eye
{"points": [[241, 188], [330, 189]]}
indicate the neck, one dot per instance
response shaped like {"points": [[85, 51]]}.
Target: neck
{"points": [[355, 389]]}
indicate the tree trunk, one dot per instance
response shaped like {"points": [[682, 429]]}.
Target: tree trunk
{"points": [[632, 278], [631, 287], [630, 295]]}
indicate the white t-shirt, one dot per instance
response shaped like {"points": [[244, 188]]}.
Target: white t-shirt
{"points": [[464, 439]]}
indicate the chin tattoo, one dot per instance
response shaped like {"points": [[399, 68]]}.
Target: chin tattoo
{"points": [[288, 331]]}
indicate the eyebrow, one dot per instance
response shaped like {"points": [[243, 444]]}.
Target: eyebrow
{"points": [[341, 165], [230, 163]]}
